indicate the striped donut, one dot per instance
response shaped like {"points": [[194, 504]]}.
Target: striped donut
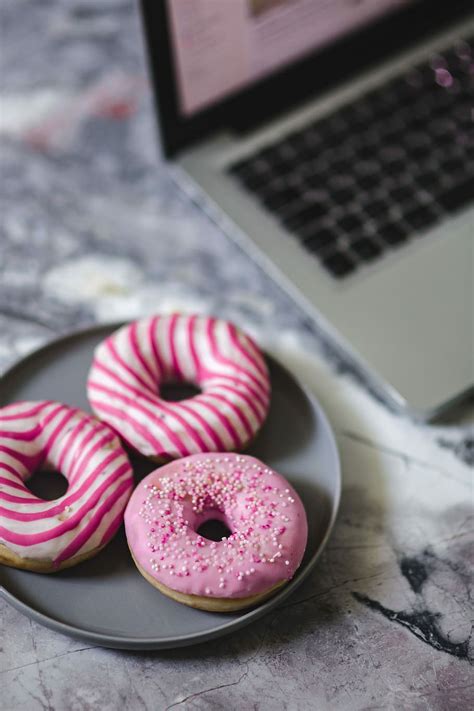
{"points": [[48, 535], [129, 367]]}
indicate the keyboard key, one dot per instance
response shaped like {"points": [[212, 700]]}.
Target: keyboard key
{"points": [[458, 196], [418, 120], [443, 140], [342, 196], [303, 214], [417, 153], [365, 248], [295, 180], [383, 103], [366, 167], [316, 181], [287, 151], [377, 208], [351, 222], [421, 217], [391, 134], [402, 193], [340, 265], [396, 167], [362, 116], [312, 138], [390, 152], [365, 152], [462, 115], [442, 104], [367, 182], [392, 233], [341, 165], [255, 181], [413, 138], [333, 140], [337, 182], [405, 87], [452, 166], [316, 195], [429, 181], [319, 240], [279, 164], [276, 198], [297, 141], [251, 171], [441, 128]]}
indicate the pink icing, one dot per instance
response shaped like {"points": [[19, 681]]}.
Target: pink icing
{"points": [[265, 515], [130, 365], [88, 453]]}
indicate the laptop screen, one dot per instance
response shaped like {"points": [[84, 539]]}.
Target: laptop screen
{"points": [[223, 46]]}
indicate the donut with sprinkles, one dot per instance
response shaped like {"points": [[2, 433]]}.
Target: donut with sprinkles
{"points": [[131, 365], [43, 535], [264, 515]]}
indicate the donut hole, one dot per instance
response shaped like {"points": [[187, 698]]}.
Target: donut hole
{"points": [[213, 526], [174, 392], [214, 530], [47, 485]]}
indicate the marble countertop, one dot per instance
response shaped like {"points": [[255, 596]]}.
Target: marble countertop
{"points": [[93, 229]]}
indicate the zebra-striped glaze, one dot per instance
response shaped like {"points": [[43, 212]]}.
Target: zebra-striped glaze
{"points": [[52, 436], [130, 366]]}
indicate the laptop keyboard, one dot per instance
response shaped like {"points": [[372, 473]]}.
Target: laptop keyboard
{"points": [[378, 172]]}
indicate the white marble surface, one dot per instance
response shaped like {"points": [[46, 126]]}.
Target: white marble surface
{"points": [[93, 230]]}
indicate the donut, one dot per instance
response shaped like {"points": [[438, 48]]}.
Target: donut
{"points": [[225, 364], [45, 536], [263, 513]]}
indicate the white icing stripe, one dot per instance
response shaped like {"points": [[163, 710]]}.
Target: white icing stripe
{"points": [[122, 345], [143, 328], [110, 389], [143, 413], [198, 413], [97, 536], [12, 461], [22, 411], [51, 523], [251, 415], [54, 548], [130, 365], [10, 490]]}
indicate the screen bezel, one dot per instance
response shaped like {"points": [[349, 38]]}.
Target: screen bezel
{"points": [[265, 98]]}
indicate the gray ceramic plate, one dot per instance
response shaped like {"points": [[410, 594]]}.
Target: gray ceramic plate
{"points": [[105, 600]]}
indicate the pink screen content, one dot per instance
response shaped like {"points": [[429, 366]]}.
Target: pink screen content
{"points": [[222, 46]]}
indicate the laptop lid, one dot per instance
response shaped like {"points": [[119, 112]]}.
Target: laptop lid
{"points": [[235, 63]]}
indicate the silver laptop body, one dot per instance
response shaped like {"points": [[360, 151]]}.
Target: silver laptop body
{"points": [[406, 319]]}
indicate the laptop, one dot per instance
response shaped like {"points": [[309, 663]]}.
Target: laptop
{"points": [[334, 139]]}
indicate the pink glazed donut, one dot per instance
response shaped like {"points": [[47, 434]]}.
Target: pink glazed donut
{"points": [[46, 536], [263, 512], [129, 367]]}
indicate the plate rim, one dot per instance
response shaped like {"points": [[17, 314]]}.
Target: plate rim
{"points": [[147, 643]]}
